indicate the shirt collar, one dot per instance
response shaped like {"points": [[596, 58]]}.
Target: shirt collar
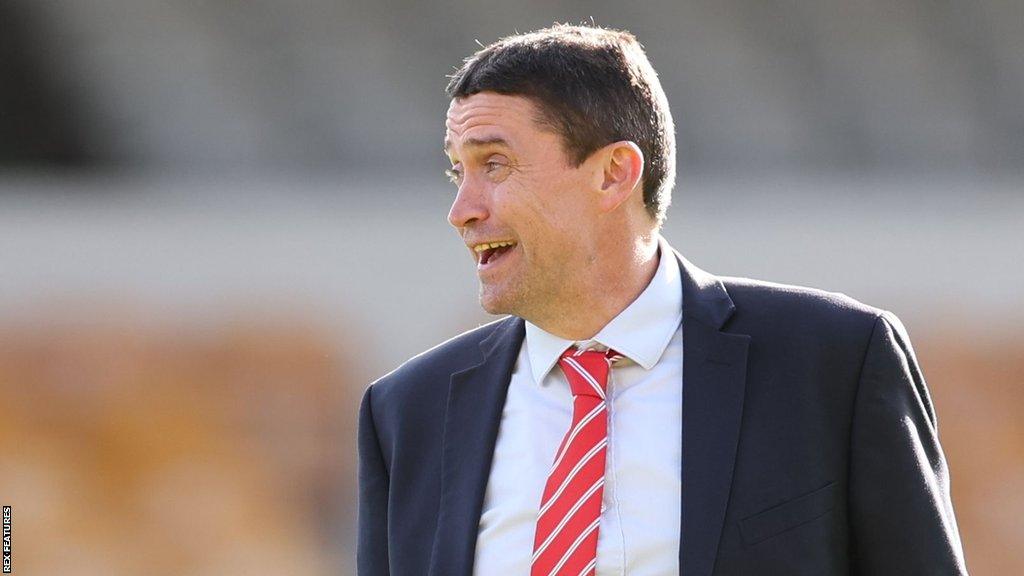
{"points": [[641, 332]]}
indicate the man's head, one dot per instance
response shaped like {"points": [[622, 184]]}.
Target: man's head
{"points": [[592, 86], [562, 143]]}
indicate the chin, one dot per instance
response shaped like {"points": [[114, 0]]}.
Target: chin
{"points": [[495, 301], [492, 306]]}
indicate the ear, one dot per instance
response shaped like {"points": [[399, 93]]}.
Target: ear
{"points": [[623, 166]]}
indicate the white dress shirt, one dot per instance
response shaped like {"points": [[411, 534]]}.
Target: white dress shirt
{"points": [[639, 529]]}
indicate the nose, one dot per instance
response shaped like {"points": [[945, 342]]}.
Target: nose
{"points": [[469, 205]]}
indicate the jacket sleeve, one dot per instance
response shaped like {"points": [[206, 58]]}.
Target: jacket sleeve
{"points": [[372, 546], [901, 515]]}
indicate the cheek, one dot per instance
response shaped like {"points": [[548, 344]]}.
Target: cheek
{"points": [[567, 211], [539, 226], [543, 209], [548, 196]]}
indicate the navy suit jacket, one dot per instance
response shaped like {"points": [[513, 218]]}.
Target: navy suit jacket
{"points": [[809, 442]]}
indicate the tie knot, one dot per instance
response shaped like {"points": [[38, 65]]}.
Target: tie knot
{"points": [[587, 370]]}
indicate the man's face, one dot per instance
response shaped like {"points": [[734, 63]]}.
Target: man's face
{"points": [[518, 189]]}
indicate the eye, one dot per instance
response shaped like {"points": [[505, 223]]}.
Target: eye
{"points": [[496, 167], [454, 175]]}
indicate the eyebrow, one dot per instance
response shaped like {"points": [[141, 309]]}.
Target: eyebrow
{"points": [[477, 143]]}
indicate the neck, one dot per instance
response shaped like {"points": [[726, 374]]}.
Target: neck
{"points": [[614, 283]]}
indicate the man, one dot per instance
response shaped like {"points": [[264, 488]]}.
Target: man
{"points": [[634, 414]]}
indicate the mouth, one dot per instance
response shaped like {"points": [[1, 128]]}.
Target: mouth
{"points": [[490, 253]]}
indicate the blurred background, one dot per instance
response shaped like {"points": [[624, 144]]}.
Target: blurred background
{"points": [[220, 219]]}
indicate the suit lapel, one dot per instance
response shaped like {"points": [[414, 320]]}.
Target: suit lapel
{"points": [[714, 379], [476, 397]]}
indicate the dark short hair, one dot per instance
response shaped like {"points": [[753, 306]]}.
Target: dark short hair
{"points": [[593, 86]]}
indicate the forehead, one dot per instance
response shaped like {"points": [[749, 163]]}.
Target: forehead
{"points": [[488, 115]]}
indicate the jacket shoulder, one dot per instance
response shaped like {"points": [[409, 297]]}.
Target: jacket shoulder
{"points": [[787, 305], [428, 371]]}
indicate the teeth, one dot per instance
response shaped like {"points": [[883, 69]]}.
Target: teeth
{"points": [[485, 246]]}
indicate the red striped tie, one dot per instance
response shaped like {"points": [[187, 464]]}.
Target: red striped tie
{"points": [[566, 539]]}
